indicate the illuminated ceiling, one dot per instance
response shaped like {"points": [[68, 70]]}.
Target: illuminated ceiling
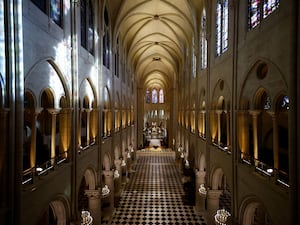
{"points": [[155, 34]]}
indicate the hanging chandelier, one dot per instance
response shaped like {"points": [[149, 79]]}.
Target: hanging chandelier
{"points": [[221, 216], [86, 218]]}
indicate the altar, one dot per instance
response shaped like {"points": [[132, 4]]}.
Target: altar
{"points": [[155, 142]]}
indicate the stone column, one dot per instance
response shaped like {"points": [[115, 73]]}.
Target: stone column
{"points": [[109, 181], [94, 197], [65, 131], [213, 197], [88, 116], [275, 140], [203, 123], [4, 167], [255, 114], [53, 112], [118, 180], [200, 199], [227, 128], [33, 137], [219, 112]]}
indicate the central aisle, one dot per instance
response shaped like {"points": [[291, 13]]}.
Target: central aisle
{"points": [[154, 194]]}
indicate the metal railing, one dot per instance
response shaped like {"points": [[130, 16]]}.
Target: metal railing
{"points": [[39, 170], [279, 176]]}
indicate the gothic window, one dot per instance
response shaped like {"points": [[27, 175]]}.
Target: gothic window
{"points": [[106, 40], [2, 45], [194, 59], [260, 9], [148, 98], [87, 25], [117, 58], [203, 41], [253, 13], [161, 96], [154, 96], [222, 17], [270, 6], [53, 8]]}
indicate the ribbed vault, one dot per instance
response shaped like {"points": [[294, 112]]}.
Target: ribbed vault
{"points": [[155, 34]]}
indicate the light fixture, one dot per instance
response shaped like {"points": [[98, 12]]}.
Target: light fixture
{"points": [[116, 174], [39, 169], [86, 218], [221, 216], [105, 190], [123, 163], [202, 189]]}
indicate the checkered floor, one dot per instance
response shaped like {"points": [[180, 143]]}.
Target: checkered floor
{"points": [[154, 195]]}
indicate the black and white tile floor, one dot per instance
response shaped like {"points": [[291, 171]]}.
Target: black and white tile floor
{"points": [[154, 195]]}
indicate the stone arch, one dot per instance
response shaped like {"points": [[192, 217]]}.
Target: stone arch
{"points": [[117, 152], [106, 163], [221, 89], [57, 211], [262, 74], [216, 181], [87, 91], [253, 209], [90, 178], [46, 74], [202, 162], [61, 210]]}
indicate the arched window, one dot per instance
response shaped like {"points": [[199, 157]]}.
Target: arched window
{"points": [[117, 58], [87, 25], [53, 8], [203, 41], [194, 59], [222, 17], [154, 96], [161, 96], [148, 98], [106, 39], [258, 10]]}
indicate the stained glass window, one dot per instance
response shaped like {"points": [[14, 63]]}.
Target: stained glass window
{"points": [[222, 17], [53, 8], [203, 41], [253, 13], [90, 32], [106, 40], [148, 99], [87, 25], [2, 41], [161, 96], [270, 6], [56, 11], [83, 23], [154, 96], [260, 9], [41, 4]]}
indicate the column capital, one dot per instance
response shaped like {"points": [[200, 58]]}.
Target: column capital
{"points": [[53, 111], [200, 173], [272, 114], [118, 162], [219, 111], [93, 194], [254, 113], [66, 110], [214, 194], [108, 173]]}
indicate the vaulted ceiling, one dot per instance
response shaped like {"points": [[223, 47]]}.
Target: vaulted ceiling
{"points": [[155, 34]]}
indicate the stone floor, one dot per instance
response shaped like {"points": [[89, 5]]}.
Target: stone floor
{"points": [[155, 195]]}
